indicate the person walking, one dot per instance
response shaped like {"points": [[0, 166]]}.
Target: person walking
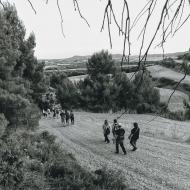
{"points": [[62, 114], [54, 113], [106, 130], [67, 117], [44, 113], [120, 136], [134, 136], [114, 128], [72, 118], [57, 113]]}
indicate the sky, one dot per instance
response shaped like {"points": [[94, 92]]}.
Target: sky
{"points": [[83, 40]]}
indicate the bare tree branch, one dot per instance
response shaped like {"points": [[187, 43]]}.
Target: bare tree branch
{"points": [[109, 30], [76, 5], [181, 24], [140, 14], [60, 13], [2, 4], [32, 6], [126, 36]]}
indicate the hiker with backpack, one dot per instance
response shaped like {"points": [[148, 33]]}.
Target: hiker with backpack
{"points": [[134, 136], [106, 131], [120, 136], [114, 128]]}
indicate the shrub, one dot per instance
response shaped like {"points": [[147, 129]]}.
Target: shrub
{"points": [[146, 96], [178, 115], [110, 179]]}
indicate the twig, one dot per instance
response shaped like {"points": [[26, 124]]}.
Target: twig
{"points": [[2, 4], [109, 30], [78, 8], [32, 6], [61, 16]]}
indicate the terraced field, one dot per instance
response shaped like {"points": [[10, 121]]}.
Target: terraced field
{"points": [[162, 160]]}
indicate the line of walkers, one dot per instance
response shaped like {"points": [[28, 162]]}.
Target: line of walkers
{"points": [[119, 135], [51, 113], [66, 117]]}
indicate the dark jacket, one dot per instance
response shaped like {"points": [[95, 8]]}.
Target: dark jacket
{"points": [[120, 134], [135, 133]]}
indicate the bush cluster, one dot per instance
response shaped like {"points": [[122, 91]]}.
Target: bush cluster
{"points": [[107, 89], [36, 162]]}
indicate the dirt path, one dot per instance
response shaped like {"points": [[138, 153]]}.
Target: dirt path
{"points": [[157, 164]]}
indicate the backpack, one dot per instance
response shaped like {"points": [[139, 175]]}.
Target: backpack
{"points": [[120, 134], [107, 130], [71, 115]]}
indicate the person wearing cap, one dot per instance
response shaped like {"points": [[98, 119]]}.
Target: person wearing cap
{"points": [[119, 133], [106, 130], [134, 136]]}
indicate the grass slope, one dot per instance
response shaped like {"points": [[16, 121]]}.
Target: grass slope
{"points": [[159, 163]]}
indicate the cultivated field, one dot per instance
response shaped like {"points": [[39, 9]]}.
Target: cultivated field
{"points": [[162, 160], [158, 72], [176, 101], [82, 77]]}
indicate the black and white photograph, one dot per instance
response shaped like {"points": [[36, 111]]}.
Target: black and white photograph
{"points": [[94, 95]]}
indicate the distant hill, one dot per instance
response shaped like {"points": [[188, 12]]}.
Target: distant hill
{"points": [[80, 61]]}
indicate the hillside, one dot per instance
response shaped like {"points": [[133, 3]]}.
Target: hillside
{"points": [[80, 61], [161, 161]]}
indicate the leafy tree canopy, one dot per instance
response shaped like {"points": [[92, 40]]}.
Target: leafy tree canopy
{"points": [[100, 63]]}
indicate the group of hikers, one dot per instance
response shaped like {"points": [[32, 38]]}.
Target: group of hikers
{"points": [[66, 116], [117, 130], [119, 135]]}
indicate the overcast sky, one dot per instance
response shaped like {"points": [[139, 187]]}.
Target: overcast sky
{"points": [[79, 38]]}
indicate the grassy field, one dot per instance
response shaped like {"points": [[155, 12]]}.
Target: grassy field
{"points": [[176, 101], [161, 161], [158, 72]]}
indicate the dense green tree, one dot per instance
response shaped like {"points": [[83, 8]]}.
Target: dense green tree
{"points": [[124, 91], [66, 91], [100, 63], [95, 94], [56, 79], [12, 34], [146, 96], [17, 89]]}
